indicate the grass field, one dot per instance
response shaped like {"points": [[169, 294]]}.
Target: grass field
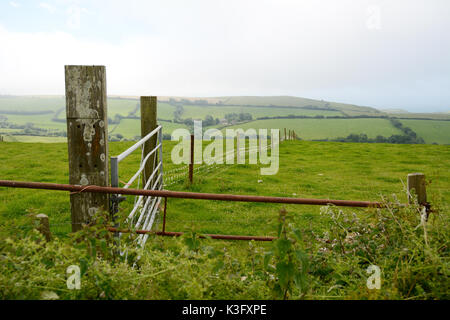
{"points": [[34, 139], [431, 131], [310, 129], [131, 128], [307, 169], [299, 102], [200, 112], [434, 115], [31, 103], [43, 121]]}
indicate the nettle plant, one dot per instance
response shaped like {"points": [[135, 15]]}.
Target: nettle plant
{"points": [[287, 264]]}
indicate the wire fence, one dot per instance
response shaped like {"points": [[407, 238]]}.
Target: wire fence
{"points": [[180, 174], [144, 212]]}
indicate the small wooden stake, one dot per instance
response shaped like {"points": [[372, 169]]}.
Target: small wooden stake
{"points": [[164, 216], [44, 226], [416, 182]]}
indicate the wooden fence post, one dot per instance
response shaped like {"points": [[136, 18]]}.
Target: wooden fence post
{"points": [[87, 136], [191, 163], [284, 133], [149, 106], [416, 182], [43, 226]]}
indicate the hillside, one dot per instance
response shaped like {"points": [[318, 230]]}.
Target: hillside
{"points": [[42, 118]]}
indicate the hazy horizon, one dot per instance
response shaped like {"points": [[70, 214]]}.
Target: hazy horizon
{"points": [[375, 53]]}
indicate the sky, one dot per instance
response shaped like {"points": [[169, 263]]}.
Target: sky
{"points": [[386, 54]]}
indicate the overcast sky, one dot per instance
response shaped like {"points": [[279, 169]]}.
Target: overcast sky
{"points": [[385, 54]]}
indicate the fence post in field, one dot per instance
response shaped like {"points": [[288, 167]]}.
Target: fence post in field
{"points": [[191, 162], [284, 133], [416, 182], [148, 124], [43, 226], [87, 137]]}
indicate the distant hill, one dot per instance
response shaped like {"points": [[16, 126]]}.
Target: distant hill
{"points": [[282, 101], [394, 111]]}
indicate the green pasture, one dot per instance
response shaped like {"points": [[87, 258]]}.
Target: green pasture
{"points": [[317, 129], [200, 112], [299, 102], [430, 130], [327, 170], [34, 139], [131, 128], [32, 103]]}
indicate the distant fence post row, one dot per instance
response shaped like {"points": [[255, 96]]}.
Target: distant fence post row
{"points": [[289, 134]]}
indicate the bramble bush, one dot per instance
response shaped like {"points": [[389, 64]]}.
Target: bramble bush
{"points": [[411, 251]]}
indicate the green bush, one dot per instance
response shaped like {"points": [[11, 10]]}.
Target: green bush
{"points": [[411, 252]]}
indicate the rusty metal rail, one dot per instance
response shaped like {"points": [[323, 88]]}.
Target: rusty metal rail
{"points": [[202, 236], [187, 195]]}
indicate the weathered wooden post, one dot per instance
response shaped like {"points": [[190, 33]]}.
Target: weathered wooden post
{"points": [[416, 182], [284, 133], [43, 226], [87, 136], [148, 124], [191, 162]]}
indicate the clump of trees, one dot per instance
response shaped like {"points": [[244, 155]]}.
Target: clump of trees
{"points": [[238, 117], [397, 139], [179, 110]]}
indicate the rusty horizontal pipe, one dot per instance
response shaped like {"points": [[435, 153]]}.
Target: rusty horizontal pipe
{"points": [[186, 195], [212, 236]]}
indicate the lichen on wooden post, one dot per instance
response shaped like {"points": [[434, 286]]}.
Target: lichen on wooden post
{"points": [[87, 136]]}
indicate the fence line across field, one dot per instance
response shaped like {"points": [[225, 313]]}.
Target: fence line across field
{"points": [[146, 209], [179, 174]]}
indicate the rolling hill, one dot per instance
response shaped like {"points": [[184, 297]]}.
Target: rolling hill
{"points": [[42, 118]]}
